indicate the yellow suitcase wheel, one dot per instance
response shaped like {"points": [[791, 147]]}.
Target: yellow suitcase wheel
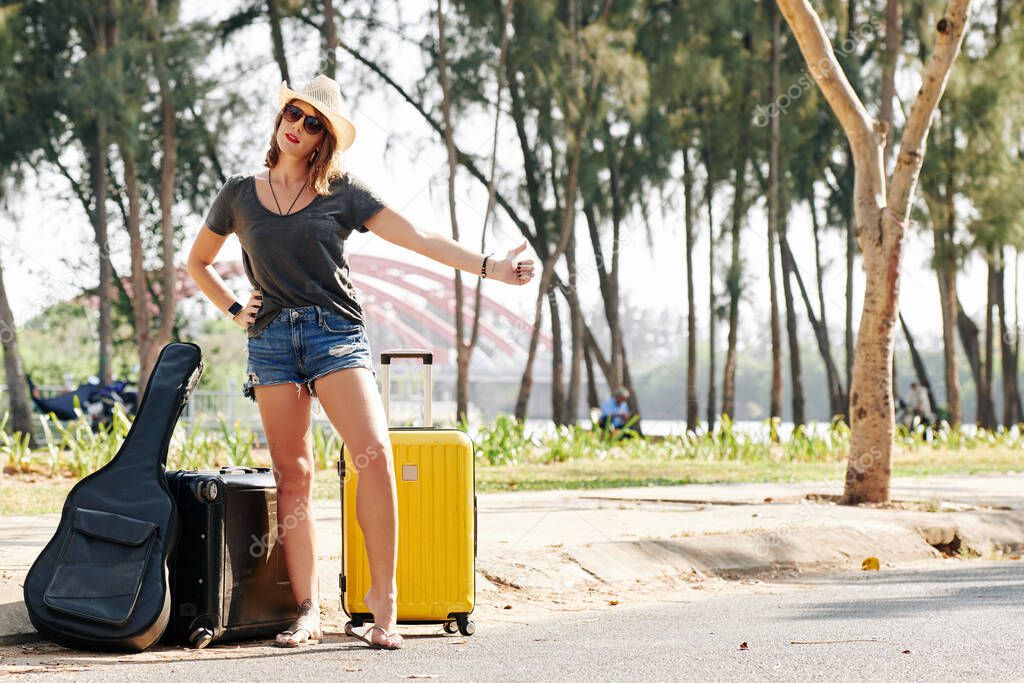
{"points": [[466, 627]]}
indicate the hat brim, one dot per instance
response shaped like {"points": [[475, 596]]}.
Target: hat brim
{"points": [[343, 130]]}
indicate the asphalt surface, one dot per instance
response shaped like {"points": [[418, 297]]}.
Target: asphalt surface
{"points": [[961, 621]]}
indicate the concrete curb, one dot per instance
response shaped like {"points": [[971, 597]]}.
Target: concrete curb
{"points": [[759, 552], [15, 627]]}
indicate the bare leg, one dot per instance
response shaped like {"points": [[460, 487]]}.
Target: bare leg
{"points": [[352, 403], [284, 410]]}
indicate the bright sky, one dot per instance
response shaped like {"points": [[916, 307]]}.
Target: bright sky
{"points": [[48, 252]]}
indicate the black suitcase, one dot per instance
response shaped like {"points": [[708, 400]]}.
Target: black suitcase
{"points": [[228, 576]]}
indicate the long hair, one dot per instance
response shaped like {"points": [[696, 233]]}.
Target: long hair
{"points": [[324, 168]]}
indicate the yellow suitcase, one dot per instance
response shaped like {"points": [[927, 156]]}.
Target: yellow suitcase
{"points": [[435, 478]]}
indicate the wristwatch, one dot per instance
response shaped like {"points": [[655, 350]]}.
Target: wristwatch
{"points": [[235, 308]]}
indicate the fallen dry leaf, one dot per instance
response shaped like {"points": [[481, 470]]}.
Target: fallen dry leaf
{"points": [[870, 564], [744, 646], [613, 602], [419, 676], [507, 607], [906, 652]]}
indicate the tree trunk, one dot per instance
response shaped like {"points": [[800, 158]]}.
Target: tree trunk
{"points": [[330, 36], [986, 405], [948, 297], [836, 393], [691, 399], [526, 381], [14, 374], [969, 332], [946, 270], [919, 368], [612, 308], [820, 333], [881, 217], [463, 352], [734, 285], [594, 353], [571, 411], [796, 374], [608, 282], [893, 40], [1007, 355], [557, 383], [848, 334], [140, 289], [168, 175], [712, 408], [98, 156], [775, 399], [851, 221], [1016, 316], [133, 220], [592, 400], [277, 41], [634, 396]]}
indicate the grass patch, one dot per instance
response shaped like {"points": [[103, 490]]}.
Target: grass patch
{"points": [[36, 494], [509, 459], [28, 495], [934, 462], [612, 474]]}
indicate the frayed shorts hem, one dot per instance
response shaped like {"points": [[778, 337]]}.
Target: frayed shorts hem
{"points": [[249, 387]]}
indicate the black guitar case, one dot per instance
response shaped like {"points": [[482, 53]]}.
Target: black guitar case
{"points": [[101, 583]]}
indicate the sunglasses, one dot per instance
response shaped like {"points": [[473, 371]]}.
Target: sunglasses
{"points": [[311, 124]]}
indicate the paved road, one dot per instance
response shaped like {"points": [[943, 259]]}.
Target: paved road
{"points": [[961, 621]]}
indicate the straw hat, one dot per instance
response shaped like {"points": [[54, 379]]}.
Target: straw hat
{"points": [[324, 93]]}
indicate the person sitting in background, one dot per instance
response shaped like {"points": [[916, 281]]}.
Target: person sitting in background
{"points": [[615, 411]]}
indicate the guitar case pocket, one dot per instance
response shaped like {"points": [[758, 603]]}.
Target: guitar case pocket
{"points": [[99, 572]]}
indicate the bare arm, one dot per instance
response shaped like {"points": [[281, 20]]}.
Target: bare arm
{"points": [[200, 267], [394, 227]]}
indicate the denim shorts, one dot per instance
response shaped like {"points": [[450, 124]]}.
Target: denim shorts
{"points": [[303, 344]]}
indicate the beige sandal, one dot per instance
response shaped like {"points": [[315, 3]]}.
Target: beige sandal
{"points": [[364, 636], [303, 624]]}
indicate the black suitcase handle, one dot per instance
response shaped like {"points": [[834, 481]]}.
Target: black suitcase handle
{"points": [[238, 469]]}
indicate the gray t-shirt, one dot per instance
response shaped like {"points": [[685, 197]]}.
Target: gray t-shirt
{"points": [[297, 259]]}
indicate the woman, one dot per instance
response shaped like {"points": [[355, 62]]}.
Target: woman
{"points": [[306, 328]]}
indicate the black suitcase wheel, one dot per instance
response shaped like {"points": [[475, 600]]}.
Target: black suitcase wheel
{"points": [[450, 627], [201, 637]]}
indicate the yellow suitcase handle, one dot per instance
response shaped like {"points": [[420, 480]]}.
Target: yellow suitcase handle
{"points": [[427, 356], [385, 366]]}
